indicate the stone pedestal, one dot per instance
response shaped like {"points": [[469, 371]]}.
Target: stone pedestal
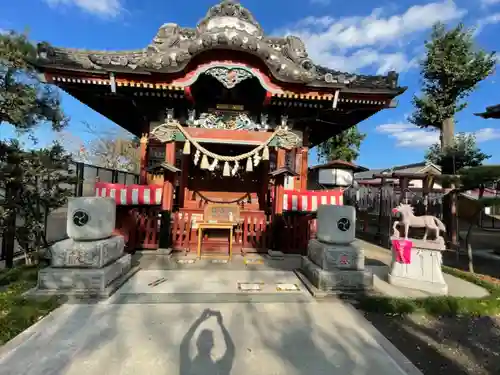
{"points": [[86, 254], [83, 281], [331, 267], [331, 256], [424, 271], [336, 279]]}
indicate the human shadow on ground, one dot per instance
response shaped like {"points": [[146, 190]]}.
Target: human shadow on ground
{"points": [[203, 362]]}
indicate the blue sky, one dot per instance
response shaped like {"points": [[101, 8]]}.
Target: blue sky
{"points": [[363, 36]]}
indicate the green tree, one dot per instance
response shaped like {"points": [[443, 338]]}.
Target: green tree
{"points": [[463, 152], [451, 70], [344, 146], [31, 182]]}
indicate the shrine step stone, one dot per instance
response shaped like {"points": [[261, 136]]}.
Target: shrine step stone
{"points": [[92, 281], [332, 256], [87, 254], [336, 279]]}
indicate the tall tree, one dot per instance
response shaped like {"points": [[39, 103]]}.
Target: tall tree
{"points": [[451, 70], [344, 146], [464, 152], [31, 183]]}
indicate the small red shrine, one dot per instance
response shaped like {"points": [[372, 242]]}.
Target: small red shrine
{"points": [[226, 115]]}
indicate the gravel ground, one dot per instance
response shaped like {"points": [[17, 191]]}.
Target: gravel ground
{"points": [[445, 346]]}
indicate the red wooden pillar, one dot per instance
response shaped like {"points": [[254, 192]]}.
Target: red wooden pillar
{"points": [[143, 150], [303, 162], [279, 183], [169, 182], [278, 194], [183, 188]]}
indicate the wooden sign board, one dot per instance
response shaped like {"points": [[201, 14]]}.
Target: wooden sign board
{"points": [[221, 213]]}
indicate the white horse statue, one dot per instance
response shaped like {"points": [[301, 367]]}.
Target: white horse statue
{"points": [[410, 220]]}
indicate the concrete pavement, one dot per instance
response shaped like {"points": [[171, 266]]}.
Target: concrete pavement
{"points": [[232, 338]]}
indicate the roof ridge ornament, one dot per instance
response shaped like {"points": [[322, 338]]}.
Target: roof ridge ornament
{"points": [[230, 13]]}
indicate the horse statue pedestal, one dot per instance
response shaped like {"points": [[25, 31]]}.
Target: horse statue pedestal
{"points": [[422, 271]]}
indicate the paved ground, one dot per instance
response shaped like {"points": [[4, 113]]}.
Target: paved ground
{"points": [[125, 336]]}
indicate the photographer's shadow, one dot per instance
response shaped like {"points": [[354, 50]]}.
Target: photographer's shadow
{"points": [[203, 363]]}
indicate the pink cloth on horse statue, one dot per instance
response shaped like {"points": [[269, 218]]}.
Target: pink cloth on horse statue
{"points": [[403, 250]]}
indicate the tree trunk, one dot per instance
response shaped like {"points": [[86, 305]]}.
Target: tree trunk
{"points": [[450, 199], [447, 133], [469, 256]]}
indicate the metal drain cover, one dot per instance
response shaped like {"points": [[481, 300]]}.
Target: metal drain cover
{"points": [[254, 261], [222, 261], [250, 287], [186, 261], [286, 287]]}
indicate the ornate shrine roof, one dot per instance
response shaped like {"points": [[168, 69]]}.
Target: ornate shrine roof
{"points": [[227, 25]]}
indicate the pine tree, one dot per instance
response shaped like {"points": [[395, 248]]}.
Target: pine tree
{"points": [[32, 183]]}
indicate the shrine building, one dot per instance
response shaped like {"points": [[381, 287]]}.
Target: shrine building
{"points": [[226, 116]]}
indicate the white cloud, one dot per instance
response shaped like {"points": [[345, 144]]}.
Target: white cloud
{"points": [[377, 40], [407, 135], [492, 19], [410, 136], [489, 2], [102, 8]]}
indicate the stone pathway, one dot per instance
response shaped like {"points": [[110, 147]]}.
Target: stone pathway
{"points": [[187, 339], [208, 318]]}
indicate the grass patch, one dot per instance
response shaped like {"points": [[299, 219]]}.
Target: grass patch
{"points": [[16, 311], [439, 305]]}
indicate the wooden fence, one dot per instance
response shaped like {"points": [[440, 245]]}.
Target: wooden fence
{"points": [[256, 232], [86, 175]]}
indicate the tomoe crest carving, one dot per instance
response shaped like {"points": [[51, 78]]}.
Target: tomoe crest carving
{"points": [[80, 218], [343, 224]]}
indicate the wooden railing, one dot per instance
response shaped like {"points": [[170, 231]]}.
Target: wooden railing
{"points": [[139, 225], [255, 233]]}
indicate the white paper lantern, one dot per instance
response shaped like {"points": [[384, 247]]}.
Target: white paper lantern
{"points": [[336, 224], [91, 218]]}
